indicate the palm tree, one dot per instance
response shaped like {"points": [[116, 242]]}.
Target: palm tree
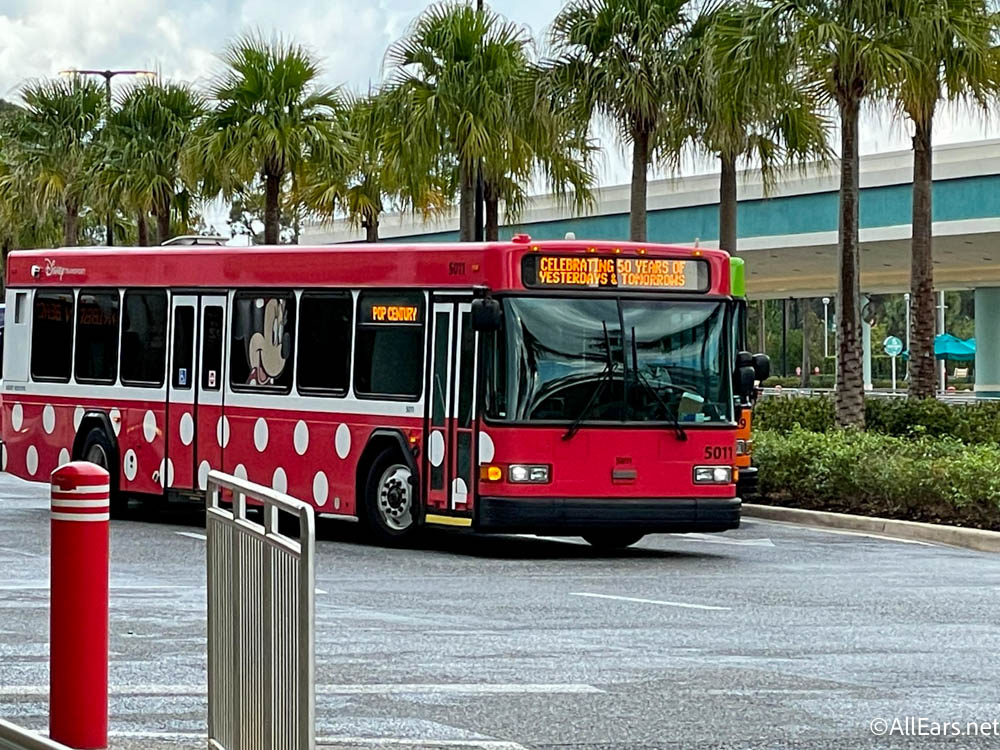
{"points": [[539, 139], [952, 57], [454, 74], [374, 174], [51, 149], [736, 109], [850, 50], [619, 58], [149, 130], [269, 117]]}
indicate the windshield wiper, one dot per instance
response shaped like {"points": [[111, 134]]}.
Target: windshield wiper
{"points": [[607, 376], [641, 379]]}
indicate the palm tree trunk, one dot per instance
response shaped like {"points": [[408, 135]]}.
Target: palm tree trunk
{"points": [[492, 201], [727, 204], [142, 229], [467, 204], [371, 228], [71, 225], [637, 198], [163, 219], [922, 323], [850, 403], [272, 209]]}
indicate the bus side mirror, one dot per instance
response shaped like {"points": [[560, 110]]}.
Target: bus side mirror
{"points": [[745, 383], [761, 367], [485, 315]]}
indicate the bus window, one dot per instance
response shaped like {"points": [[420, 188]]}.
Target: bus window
{"points": [[144, 338], [52, 336], [261, 350], [389, 345], [211, 349], [97, 337], [324, 356], [183, 347]]}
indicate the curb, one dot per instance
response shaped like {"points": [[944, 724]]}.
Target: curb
{"points": [[956, 536]]}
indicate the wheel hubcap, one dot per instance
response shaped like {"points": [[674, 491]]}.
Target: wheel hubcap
{"points": [[395, 498]]}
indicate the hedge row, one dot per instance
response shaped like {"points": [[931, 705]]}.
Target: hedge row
{"points": [[968, 423], [935, 480]]}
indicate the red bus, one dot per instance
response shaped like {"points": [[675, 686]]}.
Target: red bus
{"points": [[557, 388]]}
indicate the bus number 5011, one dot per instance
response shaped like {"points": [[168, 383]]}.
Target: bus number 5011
{"points": [[718, 452]]}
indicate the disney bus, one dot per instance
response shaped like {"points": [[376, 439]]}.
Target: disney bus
{"points": [[556, 388]]}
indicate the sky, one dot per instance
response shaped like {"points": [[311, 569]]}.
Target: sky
{"points": [[181, 39]]}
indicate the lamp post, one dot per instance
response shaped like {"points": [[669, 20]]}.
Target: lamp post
{"points": [[107, 75], [826, 329]]}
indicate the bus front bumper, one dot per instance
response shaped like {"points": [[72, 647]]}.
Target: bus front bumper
{"points": [[576, 516]]}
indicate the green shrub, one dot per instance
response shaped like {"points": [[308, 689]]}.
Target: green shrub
{"points": [[969, 423], [936, 480]]}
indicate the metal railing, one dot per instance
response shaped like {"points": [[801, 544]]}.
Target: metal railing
{"points": [[261, 583], [955, 397], [12, 737]]}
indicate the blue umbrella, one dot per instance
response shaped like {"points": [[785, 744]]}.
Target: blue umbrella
{"points": [[951, 347]]}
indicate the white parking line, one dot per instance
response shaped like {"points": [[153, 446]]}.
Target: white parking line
{"points": [[191, 535], [685, 605], [713, 539], [338, 741], [849, 532]]}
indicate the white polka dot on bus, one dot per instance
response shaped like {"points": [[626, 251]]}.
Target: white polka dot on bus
{"points": [[130, 465], [78, 413], [149, 426], [300, 438], [342, 441], [17, 417], [486, 448], [31, 460], [222, 431], [436, 448], [260, 434], [321, 488], [63, 457], [116, 421], [187, 428], [49, 419], [203, 468], [240, 472], [279, 481]]}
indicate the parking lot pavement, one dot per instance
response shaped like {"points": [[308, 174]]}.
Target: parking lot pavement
{"points": [[772, 636]]}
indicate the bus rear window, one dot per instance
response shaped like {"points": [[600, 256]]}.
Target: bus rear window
{"points": [[52, 336], [389, 345]]}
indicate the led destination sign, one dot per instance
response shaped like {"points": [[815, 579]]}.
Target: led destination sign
{"points": [[594, 272], [394, 309]]}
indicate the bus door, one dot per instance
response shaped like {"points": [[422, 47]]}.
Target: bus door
{"points": [[449, 478], [194, 400], [211, 372]]}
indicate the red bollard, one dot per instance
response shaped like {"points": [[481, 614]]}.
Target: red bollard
{"points": [[78, 652]]}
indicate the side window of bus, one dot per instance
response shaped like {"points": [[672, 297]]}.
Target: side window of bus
{"points": [[389, 345], [262, 340], [144, 338], [52, 335], [324, 356], [97, 337]]}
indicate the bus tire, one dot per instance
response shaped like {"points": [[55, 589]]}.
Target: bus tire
{"points": [[390, 502], [99, 449], [609, 540]]}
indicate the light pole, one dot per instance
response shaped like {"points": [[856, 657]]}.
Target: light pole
{"points": [[826, 329], [107, 75]]}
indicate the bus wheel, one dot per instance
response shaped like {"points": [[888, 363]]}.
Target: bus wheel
{"points": [[390, 499], [98, 449], [613, 539]]}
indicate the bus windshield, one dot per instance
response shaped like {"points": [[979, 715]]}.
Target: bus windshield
{"points": [[609, 360]]}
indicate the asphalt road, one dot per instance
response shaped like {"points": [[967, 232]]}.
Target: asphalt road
{"points": [[774, 636]]}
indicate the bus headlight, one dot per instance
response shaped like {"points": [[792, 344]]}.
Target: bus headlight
{"points": [[713, 475], [528, 473]]}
